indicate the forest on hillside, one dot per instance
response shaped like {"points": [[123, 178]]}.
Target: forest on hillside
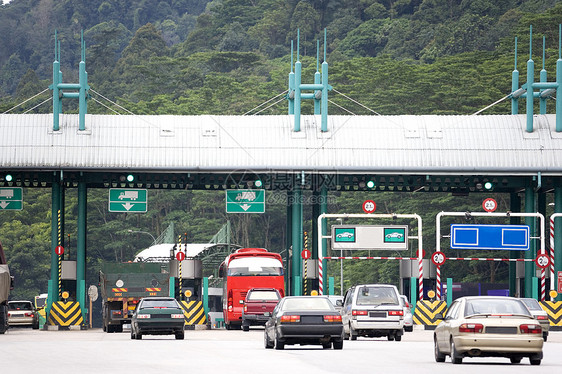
{"points": [[192, 57]]}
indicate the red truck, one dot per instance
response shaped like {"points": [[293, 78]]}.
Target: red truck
{"points": [[258, 306]]}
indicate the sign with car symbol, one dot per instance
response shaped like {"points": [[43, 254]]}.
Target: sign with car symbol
{"points": [[391, 237]]}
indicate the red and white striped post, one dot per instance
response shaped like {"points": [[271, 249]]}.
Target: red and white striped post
{"points": [[320, 275], [420, 279], [438, 281]]}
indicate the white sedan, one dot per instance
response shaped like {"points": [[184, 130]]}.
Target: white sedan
{"points": [[488, 326]]}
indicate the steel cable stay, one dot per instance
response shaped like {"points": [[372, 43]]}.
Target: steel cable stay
{"points": [[265, 102], [25, 101]]}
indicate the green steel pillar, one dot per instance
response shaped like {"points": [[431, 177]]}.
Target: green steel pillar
{"points": [[296, 240], [530, 81], [559, 81], [531, 253], [449, 291], [331, 286], [206, 295], [55, 207], [291, 93], [83, 82], [557, 237], [289, 240], [515, 84], [81, 247], [317, 80], [514, 206], [172, 287], [414, 290], [323, 209], [543, 79]]}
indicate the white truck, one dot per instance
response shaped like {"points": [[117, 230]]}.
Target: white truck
{"points": [[132, 195]]}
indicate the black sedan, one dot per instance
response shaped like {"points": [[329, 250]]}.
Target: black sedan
{"points": [[157, 316], [304, 320]]}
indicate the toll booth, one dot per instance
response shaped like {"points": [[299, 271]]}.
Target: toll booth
{"points": [[520, 282], [188, 286], [410, 269], [188, 290], [310, 276]]}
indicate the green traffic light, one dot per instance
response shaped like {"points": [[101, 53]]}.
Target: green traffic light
{"points": [[258, 183], [9, 177], [488, 185], [370, 184], [130, 177]]}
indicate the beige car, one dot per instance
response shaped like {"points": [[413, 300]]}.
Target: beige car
{"points": [[488, 326]]}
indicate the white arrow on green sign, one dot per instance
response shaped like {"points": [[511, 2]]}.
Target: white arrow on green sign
{"points": [[11, 198], [128, 200], [245, 201]]}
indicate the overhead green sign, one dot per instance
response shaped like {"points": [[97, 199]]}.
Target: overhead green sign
{"points": [[245, 201], [128, 200], [11, 198]]}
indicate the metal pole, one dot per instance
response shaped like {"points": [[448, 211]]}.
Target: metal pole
{"points": [[81, 246]]}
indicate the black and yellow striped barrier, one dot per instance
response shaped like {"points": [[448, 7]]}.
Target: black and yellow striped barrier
{"points": [[65, 314], [426, 312], [194, 313], [554, 311]]}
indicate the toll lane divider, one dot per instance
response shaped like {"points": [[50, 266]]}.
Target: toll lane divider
{"points": [[65, 314], [194, 313], [426, 312], [554, 311]]}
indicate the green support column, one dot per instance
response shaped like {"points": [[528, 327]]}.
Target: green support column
{"points": [[55, 207], [514, 206], [331, 288], [531, 253], [414, 291], [324, 210], [172, 287], [296, 241], [557, 237], [206, 295], [449, 291], [289, 240], [81, 248]]}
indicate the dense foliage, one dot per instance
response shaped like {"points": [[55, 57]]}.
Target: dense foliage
{"points": [[227, 56]]}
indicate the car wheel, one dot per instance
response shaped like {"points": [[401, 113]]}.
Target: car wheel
{"points": [[515, 360], [228, 326], [266, 342], [535, 360], [245, 327], [455, 357], [327, 345], [180, 335], [338, 344], [278, 343], [544, 336], [36, 326], [398, 337], [409, 328], [439, 357], [352, 333], [138, 336], [390, 337]]}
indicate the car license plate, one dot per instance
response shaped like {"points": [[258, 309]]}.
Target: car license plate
{"points": [[501, 330], [377, 314]]}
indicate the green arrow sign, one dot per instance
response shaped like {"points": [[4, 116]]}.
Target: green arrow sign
{"points": [[245, 201], [11, 198], [128, 200]]}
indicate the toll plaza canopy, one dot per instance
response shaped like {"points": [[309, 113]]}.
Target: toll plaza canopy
{"points": [[493, 144]]}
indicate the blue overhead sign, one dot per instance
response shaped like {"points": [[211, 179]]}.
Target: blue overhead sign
{"points": [[499, 237]]}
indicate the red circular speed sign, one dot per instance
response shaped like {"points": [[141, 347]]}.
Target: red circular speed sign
{"points": [[542, 260], [59, 250], [369, 206], [305, 254], [180, 256], [438, 258], [490, 205]]}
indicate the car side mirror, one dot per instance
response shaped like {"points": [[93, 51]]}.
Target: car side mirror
{"points": [[267, 314], [339, 303], [439, 316]]}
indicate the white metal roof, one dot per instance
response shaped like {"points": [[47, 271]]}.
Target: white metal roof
{"points": [[390, 144]]}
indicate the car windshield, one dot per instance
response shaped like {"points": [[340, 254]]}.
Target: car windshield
{"points": [[263, 295], [251, 266], [495, 306], [20, 305], [159, 304], [374, 295], [532, 304], [308, 303]]}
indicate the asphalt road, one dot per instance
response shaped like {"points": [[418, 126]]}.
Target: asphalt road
{"points": [[221, 351]]}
